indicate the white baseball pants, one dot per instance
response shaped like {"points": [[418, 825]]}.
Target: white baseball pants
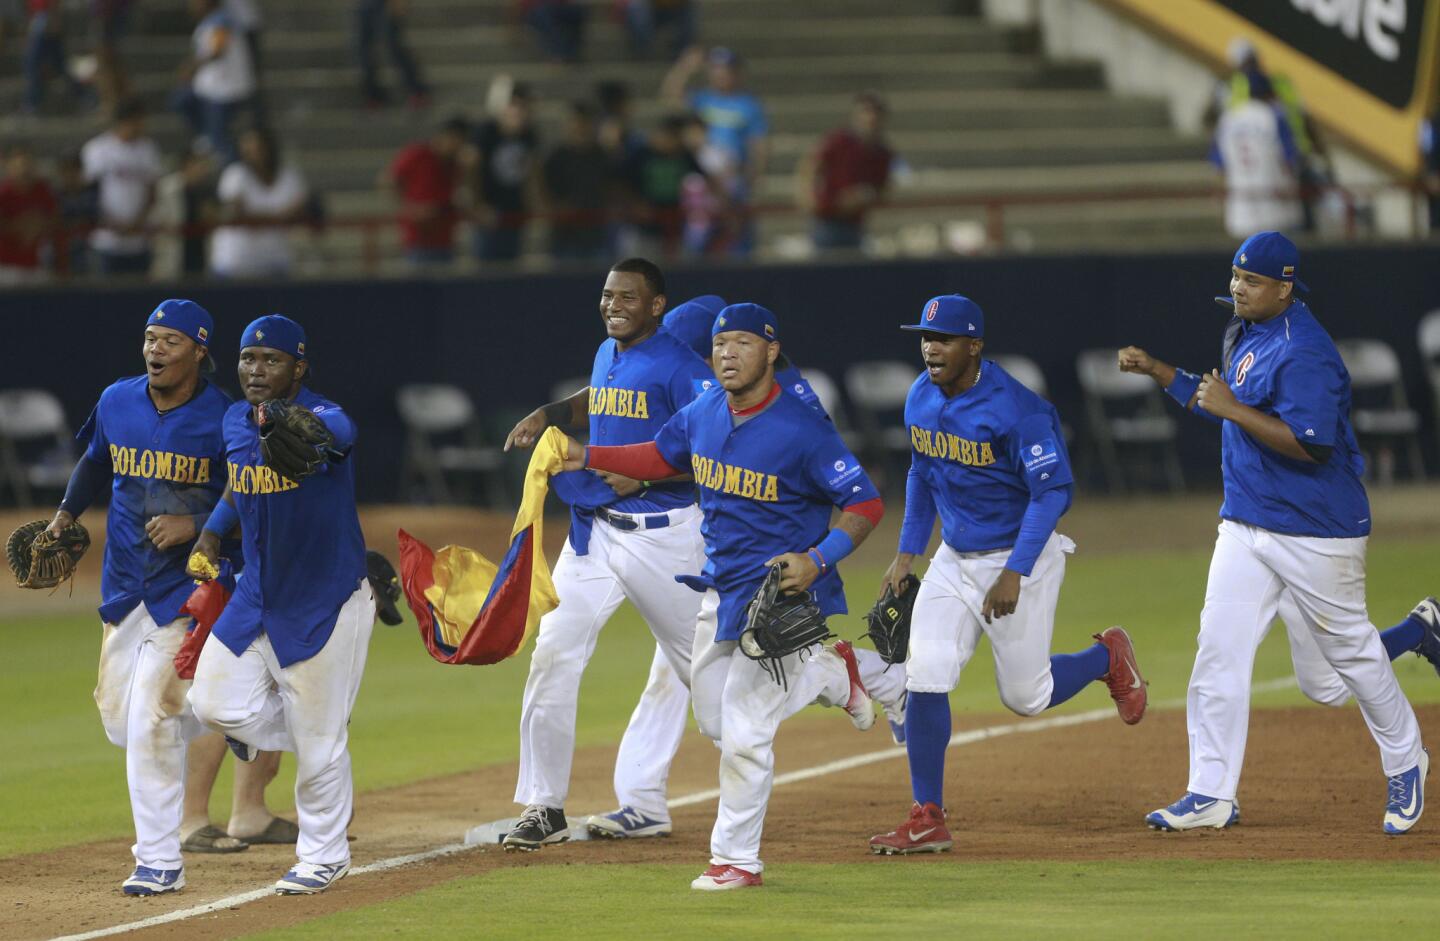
{"points": [[635, 564], [740, 707], [1325, 579], [142, 706], [945, 625], [642, 766], [303, 708]]}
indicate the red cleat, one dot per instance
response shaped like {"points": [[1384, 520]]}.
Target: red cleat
{"points": [[923, 832], [720, 878], [1127, 686], [859, 706]]}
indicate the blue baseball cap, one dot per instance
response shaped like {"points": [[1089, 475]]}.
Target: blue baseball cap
{"points": [[691, 321], [752, 318], [952, 314], [277, 332], [1272, 255], [190, 319], [724, 55]]}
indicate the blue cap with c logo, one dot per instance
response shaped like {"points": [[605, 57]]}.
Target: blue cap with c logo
{"points": [[952, 314]]}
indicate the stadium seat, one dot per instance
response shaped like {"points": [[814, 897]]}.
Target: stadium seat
{"points": [[1126, 415], [878, 391], [1429, 344], [1380, 412], [1025, 370], [443, 437], [36, 447], [829, 395]]}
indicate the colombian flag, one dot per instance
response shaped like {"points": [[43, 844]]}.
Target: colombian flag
{"points": [[471, 610]]}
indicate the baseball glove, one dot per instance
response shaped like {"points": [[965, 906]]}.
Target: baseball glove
{"points": [[40, 560], [889, 620], [778, 625], [294, 440]]}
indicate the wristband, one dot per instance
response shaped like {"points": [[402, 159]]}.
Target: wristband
{"points": [[1183, 387], [836, 545], [818, 559], [223, 519]]}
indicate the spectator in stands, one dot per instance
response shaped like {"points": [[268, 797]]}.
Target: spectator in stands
{"points": [[261, 198], [505, 177], [644, 17], [185, 206], [27, 219], [1254, 149], [1312, 166], [376, 19], [577, 176], [1430, 165], [45, 55], [111, 20], [617, 134], [219, 78], [79, 202], [250, 22], [737, 131], [560, 25], [655, 178], [125, 164], [846, 176], [424, 178]]}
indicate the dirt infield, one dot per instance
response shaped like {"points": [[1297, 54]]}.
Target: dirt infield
{"points": [[1312, 790]]}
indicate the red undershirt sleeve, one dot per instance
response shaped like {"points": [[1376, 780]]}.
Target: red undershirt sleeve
{"points": [[872, 510], [637, 461]]}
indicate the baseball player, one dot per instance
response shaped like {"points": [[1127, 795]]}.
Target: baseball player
{"points": [[293, 638], [1294, 521], [625, 542], [988, 456], [769, 471], [155, 441]]}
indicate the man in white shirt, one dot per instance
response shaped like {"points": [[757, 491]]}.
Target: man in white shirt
{"points": [[221, 74], [1256, 150], [125, 164]]}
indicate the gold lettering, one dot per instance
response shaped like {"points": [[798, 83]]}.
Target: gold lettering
{"points": [[772, 489], [642, 409], [967, 451], [147, 463], [748, 480], [987, 456], [204, 476], [164, 465], [732, 479]]}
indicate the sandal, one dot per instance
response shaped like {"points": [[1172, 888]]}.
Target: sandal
{"points": [[211, 839], [279, 830]]}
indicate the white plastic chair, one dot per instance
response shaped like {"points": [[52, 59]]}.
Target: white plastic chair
{"points": [[435, 411], [878, 390], [27, 417], [1428, 336], [1374, 368], [1125, 410], [1025, 370]]}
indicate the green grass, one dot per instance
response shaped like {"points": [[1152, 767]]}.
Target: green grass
{"points": [[940, 899], [61, 783]]}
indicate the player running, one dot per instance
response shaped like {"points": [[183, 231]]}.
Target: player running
{"points": [[155, 440], [988, 455], [293, 639], [769, 470], [1295, 520], [627, 538]]}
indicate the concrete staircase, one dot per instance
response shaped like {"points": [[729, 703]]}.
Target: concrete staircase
{"points": [[976, 112]]}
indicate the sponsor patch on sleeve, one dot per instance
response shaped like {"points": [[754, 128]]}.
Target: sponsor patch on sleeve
{"points": [[1041, 454]]}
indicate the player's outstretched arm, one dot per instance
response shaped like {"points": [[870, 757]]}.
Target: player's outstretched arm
{"points": [[1218, 399], [205, 555], [568, 412], [86, 481], [915, 529], [800, 569], [1176, 383]]}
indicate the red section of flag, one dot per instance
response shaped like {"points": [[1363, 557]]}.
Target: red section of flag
{"points": [[204, 605], [497, 631]]}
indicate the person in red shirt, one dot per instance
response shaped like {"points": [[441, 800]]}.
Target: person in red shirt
{"points": [[846, 176], [27, 219], [423, 177]]}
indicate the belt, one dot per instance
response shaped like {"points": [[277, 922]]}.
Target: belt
{"points": [[629, 523]]}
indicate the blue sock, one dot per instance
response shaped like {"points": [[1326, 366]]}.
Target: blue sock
{"points": [[927, 734], [1403, 637], [1072, 672]]}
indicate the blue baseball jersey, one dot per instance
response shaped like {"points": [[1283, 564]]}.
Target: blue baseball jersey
{"points": [[633, 394], [164, 463], [1288, 367], [980, 457], [304, 554], [767, 486]]}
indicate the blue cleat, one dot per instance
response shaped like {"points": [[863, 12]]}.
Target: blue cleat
{"points": [[147, 881], [310, 878], [625, 824], [1194, 812], [1427, 612], [1407, 797]]}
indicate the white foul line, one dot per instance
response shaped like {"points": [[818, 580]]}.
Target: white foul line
{"points": [[699, 797]]}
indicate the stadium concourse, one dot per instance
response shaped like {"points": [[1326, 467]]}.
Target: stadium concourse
{"points": [[976, 110]]}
